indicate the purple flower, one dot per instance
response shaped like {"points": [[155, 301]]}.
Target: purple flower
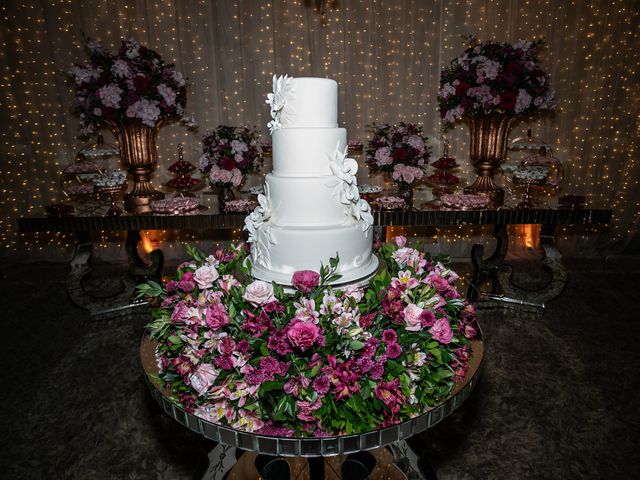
{"points": [[274, 307], [171, 285], [305, 280]]}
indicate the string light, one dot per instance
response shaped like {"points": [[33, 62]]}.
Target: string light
{"points": [[386, 56]]}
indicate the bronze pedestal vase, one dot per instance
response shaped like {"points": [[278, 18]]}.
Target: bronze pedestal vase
{"points": [[139, 154], [489, 135]]}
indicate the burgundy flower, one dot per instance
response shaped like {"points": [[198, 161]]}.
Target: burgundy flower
{"points": [[273, 307], [305, 280], [140, 81], [224, 362], [227, 163], [508, 100], [243, 346], [279, 342], [171, 285], [366, 320], [427, 318]]}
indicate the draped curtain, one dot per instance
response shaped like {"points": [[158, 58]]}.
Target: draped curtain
{"points": [[386, 56]]}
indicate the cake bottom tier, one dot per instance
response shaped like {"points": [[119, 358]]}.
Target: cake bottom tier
{"points": [[306, 248]]}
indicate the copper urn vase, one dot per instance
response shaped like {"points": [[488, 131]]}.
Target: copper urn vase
{"points": [[139, 154], [488, 147]]}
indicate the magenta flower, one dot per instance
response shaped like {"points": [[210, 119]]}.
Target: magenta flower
{"points": [[441, 331], [274, 307], [393, 350], [305, 280], [306, 409], [321, 384], [389, 336], [279, 342], [187, 282]]}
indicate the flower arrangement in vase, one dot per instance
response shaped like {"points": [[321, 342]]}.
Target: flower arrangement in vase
{"points": [[490, 85], [400, 151], [320, 361], [133, 91], [229, 153]]}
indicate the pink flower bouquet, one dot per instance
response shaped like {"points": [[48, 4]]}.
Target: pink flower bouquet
{"points": [[132, 84], [321, 361], [399, 150], [495, 77], [228, 153]]}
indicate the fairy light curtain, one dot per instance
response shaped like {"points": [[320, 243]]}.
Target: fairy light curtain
{"points": [[386, 56]]}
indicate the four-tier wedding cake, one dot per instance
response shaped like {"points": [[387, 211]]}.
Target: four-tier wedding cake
{"points": [[311, 210]]}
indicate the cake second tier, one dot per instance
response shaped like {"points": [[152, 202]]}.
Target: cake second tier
{"points": [[305, 201]]}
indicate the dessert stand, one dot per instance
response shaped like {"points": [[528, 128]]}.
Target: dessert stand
{"points": [[396, 459]]}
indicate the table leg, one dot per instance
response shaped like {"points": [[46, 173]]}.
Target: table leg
{"points": [[487, 269], [101, 306]]}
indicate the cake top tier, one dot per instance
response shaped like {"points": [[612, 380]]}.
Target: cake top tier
{"points": [[305, 102]]}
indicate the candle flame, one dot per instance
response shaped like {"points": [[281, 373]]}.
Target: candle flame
{"points": [[145, 242]]}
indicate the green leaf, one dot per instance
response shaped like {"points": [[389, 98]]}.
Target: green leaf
{"points": [[356, 344]]}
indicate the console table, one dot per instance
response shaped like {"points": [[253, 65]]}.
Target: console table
{"points": [[489, 268]]}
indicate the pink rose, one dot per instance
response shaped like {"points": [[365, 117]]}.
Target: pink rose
{"points": [[181, 312], [305, 280], [203, 377], [441, 331], [400, 240], [412, 319], [259, 293], [205, 276], [303, 334], [216, 316]]}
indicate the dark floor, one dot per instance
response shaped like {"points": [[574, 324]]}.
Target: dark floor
{"points": [[558, 396]]}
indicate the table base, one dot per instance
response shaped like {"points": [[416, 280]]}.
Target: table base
{"points": [[397, 461], [123, 300]]}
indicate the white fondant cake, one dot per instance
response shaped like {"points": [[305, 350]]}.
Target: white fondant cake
{"points": [[311, 210]]}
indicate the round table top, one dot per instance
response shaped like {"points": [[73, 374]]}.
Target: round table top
{"points": [[309, 446]]}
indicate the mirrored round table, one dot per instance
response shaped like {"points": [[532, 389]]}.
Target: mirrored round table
{"points": [[394, 457]]}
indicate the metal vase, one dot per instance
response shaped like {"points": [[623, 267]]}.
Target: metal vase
{"points": [[139, 154], [489, 135]]}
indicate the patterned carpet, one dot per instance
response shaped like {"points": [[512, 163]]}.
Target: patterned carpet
{"points": [[557, 397]]}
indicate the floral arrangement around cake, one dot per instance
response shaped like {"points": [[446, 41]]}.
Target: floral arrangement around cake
{"points": [[495, 77], [229, 153], [132, 84], [399, 150], [321, 361]]}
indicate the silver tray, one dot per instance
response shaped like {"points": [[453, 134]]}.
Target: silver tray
{"points": [[310, 447]]}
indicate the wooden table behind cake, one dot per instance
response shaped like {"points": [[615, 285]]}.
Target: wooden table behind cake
{"points": [[486, 268]]}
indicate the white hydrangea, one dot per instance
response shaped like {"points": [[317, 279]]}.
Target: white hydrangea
{"points": [[145, 110]]}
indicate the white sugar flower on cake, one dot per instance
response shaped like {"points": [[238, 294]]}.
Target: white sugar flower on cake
{"points": [[256, 219], [344, 180], [282, 88]]}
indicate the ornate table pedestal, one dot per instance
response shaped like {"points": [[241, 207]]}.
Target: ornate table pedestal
{"points": [[314, 458]]}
